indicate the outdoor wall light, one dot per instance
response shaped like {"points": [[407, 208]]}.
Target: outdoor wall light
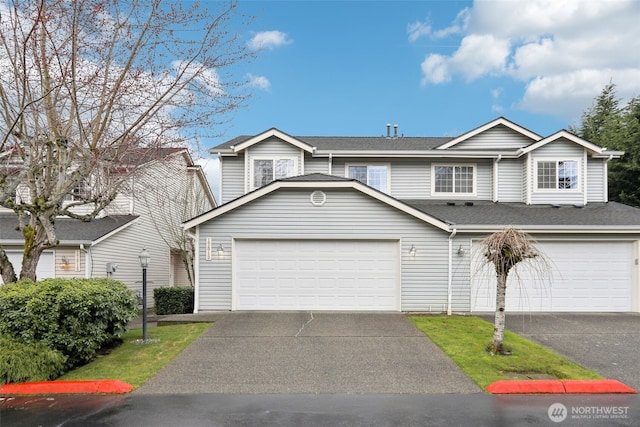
{"points": [[461, 251], [220, 250], [413, 251], [64, 264]]}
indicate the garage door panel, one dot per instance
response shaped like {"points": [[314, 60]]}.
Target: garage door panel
{"points": [[316, 275], [585, 276]]}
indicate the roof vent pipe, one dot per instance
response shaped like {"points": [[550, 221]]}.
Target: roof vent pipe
{"points": [[388, 130], [395, 131]]}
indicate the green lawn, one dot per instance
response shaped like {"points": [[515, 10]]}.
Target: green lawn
{"points": [[464, 339], [136, 363]]}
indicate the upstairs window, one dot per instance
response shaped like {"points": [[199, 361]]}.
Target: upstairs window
{"points": [[80, 192], [375, 176], [454, 179], [268, 170], [557, 175]]}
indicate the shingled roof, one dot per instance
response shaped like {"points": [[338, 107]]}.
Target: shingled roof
{"points": [[486, 213], [67, 229], [365, 143]]}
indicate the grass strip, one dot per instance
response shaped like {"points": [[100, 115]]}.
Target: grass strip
{"points": [[465, 338], [136, 363]]}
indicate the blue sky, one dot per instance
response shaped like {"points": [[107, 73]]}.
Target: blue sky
{"points": [[435, 68]]}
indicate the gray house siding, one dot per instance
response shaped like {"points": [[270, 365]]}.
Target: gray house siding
{"points": [[347, 214], [232, 178], [410, 179], [596, 184], [315, 164], [510, 184], [500, 137]]}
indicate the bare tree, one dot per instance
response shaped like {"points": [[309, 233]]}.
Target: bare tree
{"points": [[90, 89], [505, 249]]}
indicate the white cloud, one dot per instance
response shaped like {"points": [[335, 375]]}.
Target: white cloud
{"points": [[563, 51], [417, 30], [268, 40], [435, 69], [259, 82]]}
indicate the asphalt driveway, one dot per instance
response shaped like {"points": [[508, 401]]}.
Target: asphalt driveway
{"points": [[606, 343], [303, 352]]}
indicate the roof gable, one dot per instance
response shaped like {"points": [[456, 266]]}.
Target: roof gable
{"points": [[500, 121], [273, 132], [563, 134], [314, 181]]}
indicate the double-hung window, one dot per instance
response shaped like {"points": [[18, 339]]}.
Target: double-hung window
{"points": [[557, 174], [376, 176], [454, 179], [268, 170]]}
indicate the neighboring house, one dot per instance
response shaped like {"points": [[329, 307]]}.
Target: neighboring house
{"points": [[395, 223], [146, 213]]}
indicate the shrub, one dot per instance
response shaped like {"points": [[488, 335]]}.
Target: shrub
{"points": [[173, 300], [21, 362], [73, 316]]}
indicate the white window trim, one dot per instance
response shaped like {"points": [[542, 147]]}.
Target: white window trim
{"points": [[387, 165], [579, 164], [272, 158], [454, 194]]}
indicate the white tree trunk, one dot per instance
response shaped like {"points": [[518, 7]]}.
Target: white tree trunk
{"points": [[499, 323]]}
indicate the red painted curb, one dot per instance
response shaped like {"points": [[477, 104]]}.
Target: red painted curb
{"points": [[558, 387], [525, 387], [67, 387], [596, 386]]}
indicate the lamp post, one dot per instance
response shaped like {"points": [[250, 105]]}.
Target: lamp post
{"points": [[144, 263]]}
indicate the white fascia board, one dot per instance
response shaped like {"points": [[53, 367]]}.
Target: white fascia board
{"points": [[117, 230], [271, 133], [566, 135], [499, 121], [315, 185], [476, 154], [554, 229]]}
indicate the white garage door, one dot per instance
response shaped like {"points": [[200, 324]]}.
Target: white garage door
{"points": [[586, 276], [316, 275], [44, 270]]}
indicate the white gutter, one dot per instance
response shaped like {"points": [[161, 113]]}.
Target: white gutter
{"points": [[450, 282]]}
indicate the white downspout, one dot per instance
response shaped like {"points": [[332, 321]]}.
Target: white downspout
{"points": [[196, 268], [330, 164], [496, 197], [450, 283]]}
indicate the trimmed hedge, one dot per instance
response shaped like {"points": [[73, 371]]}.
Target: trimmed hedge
{"points": [[21, 362], [173, 300], [73, 316]]}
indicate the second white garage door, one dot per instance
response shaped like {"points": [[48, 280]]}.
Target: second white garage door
{"points": [[361, 275], [586, 276]]}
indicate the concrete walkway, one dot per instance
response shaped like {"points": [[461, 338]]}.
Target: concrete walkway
{"points": [[303, 352]]}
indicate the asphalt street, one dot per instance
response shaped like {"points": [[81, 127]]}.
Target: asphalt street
{"points": [[332, 410]]}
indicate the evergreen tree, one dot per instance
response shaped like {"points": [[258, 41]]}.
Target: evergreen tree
{"points": [[617, 128]]}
